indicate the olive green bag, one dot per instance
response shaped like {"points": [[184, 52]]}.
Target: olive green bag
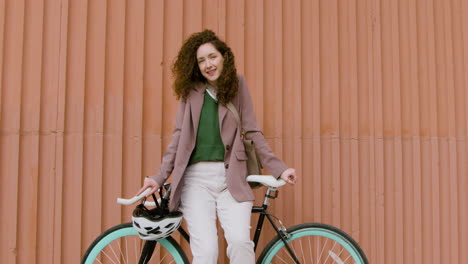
{"points": [[254, 166]]}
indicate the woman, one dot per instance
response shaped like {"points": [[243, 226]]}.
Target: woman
{"points": [[206, 155]]}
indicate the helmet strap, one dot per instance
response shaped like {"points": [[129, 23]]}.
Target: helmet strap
{"points": [[155, 200]]}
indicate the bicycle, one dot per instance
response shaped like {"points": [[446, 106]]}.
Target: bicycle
{"points": [[303, 243]]}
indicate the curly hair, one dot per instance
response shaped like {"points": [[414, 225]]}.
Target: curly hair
{"points": [[186, 72]]}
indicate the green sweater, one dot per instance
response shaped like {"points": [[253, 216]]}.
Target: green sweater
{"points": [[209, 145]]}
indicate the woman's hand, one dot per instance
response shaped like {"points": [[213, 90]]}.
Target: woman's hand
{"points": [[149, 183], [289, 176]]}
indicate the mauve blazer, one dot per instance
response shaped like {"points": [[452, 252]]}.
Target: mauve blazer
{"points": [[177, 156]]}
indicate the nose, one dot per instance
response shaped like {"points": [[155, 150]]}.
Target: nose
{"points": [[208, 64]]}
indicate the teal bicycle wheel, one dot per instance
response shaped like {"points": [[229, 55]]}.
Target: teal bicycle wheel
{"points": [[121, 244], [314, 243]]}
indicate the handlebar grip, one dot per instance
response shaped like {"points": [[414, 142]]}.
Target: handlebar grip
{"points": [[134, 199]]}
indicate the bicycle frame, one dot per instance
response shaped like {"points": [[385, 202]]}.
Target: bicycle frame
{"points": [[281, 245]]}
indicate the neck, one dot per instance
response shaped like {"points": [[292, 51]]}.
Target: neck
{"points": [[212, 87], [212, 84]]}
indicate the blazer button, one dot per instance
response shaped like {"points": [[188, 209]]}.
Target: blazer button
{"points": [[226, 166], [228, 147]]}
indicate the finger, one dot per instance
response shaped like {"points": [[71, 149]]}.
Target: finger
{"points": [[140, 191], [292, 179], [145, 186], [153, 189]]}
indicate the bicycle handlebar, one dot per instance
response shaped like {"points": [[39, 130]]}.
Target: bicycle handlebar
{"points": [[267, 180], [134, 199]]}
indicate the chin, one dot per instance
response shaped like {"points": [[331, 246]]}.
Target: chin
{"points": [[212, 80]]}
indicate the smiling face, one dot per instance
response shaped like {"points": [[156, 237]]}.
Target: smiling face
{"points": [[210, 62]]}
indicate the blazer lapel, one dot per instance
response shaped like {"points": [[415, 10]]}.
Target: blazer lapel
{"points": [[196, 103], [222, 110]]}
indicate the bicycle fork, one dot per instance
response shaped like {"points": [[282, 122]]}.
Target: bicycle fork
{"points": [[284, 235], [272, 193], [147, 251]]}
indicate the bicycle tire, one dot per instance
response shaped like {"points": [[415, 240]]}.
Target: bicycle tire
{"points": [[317, 237], [120, 236]]}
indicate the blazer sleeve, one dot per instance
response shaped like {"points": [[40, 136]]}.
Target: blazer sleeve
{"points": [[167, 164], [273, 164]]}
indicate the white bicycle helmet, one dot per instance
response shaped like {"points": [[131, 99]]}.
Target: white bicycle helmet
{"points": [[157, 223]]}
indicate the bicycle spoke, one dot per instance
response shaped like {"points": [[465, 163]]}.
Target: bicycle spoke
{"points": [[163, 258], [317, 249], [137, 249], [121, 253], [126, 251], [310, 251], [146, 260], [336, 257], [328, 256], [302, 250], [108, 257], [289, 254], [349, 256], [282, 260], [321, 252]]}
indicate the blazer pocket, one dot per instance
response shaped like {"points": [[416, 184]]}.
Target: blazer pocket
{"points": [[241, 155]]}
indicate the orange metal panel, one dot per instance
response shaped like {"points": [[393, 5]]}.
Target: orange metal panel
{"points": [[153, 87], [2, 37], [73, 142], [366, 99], [10, 163], [132, 101], [113, 114], [58, 177], [48, 133], [29, 138], [94, 121]]}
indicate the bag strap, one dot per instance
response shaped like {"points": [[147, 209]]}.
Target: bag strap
{"points": [[233, 109]]}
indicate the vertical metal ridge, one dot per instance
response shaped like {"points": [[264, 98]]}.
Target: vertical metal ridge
{"points": [[378, 148], [133, 96], [298, 109], [123, 107], [93, 121], [30, 131], [113, 166], [60, 124], [442, 39], [49, 132], [10, 138], [2, 50], [462, 8], [452, 135], [398, 134], [74, 125]]}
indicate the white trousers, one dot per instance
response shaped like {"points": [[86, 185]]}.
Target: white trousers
{"points": [[205, 196]]}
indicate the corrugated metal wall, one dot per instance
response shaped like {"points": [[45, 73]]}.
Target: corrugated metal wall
{"points": [[365, 98]]}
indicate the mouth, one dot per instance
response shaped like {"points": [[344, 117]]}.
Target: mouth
{"points": [[211, 72]]}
